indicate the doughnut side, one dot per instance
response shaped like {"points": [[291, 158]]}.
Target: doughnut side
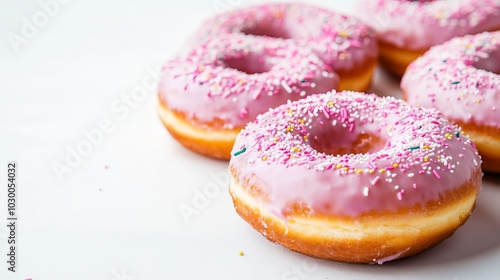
{"points": [[487, 141], [212, 142], [359, 78], [369, 238], [396, 59]]}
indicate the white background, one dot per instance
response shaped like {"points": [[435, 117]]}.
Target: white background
{"points": [[116, 213]]}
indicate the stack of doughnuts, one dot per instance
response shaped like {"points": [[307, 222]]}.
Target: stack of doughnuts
{"points": [[407, 29], [461, 79], [339, 174]]}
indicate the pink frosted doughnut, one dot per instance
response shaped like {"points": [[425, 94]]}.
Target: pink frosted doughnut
{"points": [[344, 43], [461, 79], [210, 93], [354, 177], [406, 29]]}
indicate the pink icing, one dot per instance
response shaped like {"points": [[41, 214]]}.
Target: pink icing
{"points": [[340, 41], [460, 78], [423, 156], [418, 25], [234, 79]]}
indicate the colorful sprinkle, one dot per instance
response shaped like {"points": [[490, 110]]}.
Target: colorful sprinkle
{"points": [[436, 174], [244, 149]]}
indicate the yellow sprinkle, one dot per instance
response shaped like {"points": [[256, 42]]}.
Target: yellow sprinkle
{"points": [[305, 137], [275, 139], [438, 157], [289, 129], [289, 111], [389, 128], [241, 253], [264, 158], [382, 170], [291, 221], [359, 171], [295, 149], [426, 158], [395, 165], [338, 166], [371, 171], [344, 33], [478, 100], [346, 169], [448, 136], [330, 104], [427, 147], [302, 121]]}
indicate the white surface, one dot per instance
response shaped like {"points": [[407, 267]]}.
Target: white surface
{"points": [[116, 214]]}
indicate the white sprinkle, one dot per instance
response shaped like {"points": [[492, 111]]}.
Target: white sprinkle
{"points": [[475, 162], [286, 86], [411, 175], [365, 191]]}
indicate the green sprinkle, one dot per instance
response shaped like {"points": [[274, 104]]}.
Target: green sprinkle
{"points": [[244, 149], [420, 127], [457, 134], [413, 148], [454, 83]]}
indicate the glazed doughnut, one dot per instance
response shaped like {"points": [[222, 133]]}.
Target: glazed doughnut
{"points": [[407, 29], [344, 43], [354, 177], [208, 95], [461, 79]]}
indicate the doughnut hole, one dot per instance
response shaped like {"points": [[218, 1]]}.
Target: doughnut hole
{"points": [[337, 140], [489, 63], [249, 64]]}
